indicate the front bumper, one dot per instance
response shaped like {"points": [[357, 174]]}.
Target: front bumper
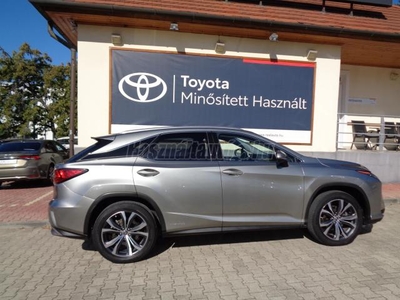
{"points": [[376, 218]]}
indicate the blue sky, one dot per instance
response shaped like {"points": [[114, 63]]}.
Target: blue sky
{"points": [[20, 22]]}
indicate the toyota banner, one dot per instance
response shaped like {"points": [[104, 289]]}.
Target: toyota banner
{"points": [[271, 98]]}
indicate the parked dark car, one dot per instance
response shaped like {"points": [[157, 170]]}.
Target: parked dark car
{"points": [[127, 188], [29, 159]]}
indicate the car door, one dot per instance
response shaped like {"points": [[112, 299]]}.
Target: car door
{"points": [[177, 173], [256, 191], [48, 153], [62, 152]]}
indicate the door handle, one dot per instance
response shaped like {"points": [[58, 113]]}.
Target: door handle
{"points": [[232, 172], [148, 172]]}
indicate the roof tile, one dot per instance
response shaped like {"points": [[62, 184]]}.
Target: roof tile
{"points": [[306, 12]]}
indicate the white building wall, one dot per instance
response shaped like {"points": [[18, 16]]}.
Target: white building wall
{"points": [[380, 84], [94, 45], [372, 95], [93, 84]]}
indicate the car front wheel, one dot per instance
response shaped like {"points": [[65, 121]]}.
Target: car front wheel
{"points": [[124, 232], [335, 218]]}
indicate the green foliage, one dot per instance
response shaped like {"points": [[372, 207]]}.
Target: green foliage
{"points": [[34, 94]]}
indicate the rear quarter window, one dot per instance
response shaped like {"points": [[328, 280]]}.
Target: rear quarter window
{"points": [[130, 150]]}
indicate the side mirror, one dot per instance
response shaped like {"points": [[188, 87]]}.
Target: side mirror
{"points": [[281, 159]]}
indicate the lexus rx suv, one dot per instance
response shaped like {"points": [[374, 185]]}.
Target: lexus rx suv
{"points": [[126, 189]]}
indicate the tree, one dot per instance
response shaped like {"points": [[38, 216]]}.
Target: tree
{"points": [[56, 104], [34, 94]]}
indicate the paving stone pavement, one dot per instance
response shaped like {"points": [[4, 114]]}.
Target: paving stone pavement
{"points": [[263, 265], [24, 201]]}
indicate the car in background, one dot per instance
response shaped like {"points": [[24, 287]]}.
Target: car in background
{"points": [[127, 188], [65, 141], [26, 159]]}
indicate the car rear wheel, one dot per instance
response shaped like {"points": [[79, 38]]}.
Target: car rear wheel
{"points": [[335, 218], [50, 173], [124, 232]]}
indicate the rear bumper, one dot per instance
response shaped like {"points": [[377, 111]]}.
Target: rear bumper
{"points": [[67, 217], [59, 232], [20, 174]]}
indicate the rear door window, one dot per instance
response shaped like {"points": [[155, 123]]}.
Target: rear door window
{"points": [[180, 146], [49, 147], [58, 147]]}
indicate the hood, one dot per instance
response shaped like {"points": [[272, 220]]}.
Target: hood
{"points": [[333, 163]]}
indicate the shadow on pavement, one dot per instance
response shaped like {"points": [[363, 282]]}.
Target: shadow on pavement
{"points": [[28, 184], [235, 237], [163, 244]]}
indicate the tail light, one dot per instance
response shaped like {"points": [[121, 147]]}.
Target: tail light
{"points": [[29, 157], [61, 175], [367, 172]]}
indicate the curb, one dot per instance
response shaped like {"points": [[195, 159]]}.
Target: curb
{"points": [[389, 201], [33, 224]]}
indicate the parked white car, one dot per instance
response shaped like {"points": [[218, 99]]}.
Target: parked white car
{"points": [[65, 141]]}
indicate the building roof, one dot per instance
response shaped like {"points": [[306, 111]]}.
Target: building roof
{"points": [[369, 35]]}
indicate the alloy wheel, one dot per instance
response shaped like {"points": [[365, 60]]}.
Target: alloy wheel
{"points": [[124, 234], [338, 219]]}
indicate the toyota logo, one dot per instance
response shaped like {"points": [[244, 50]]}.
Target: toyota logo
{"points": [[142, 87]]}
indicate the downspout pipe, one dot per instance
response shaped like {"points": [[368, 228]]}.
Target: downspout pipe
{"points": [[72, 101]]}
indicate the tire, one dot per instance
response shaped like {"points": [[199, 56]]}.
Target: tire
{"points": [[50, 172], [122, 241], [335, 218]]}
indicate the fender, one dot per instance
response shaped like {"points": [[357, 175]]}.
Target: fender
{"points": [[101, 202], [342, 186]]}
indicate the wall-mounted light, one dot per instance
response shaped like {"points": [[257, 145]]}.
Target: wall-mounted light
{"points": [[312, 54], [174, 26], [116, 39], [394, 75], [273, 37], [220, 48]]}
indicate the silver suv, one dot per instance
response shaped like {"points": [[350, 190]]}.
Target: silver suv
{"points": [[127, 188]]}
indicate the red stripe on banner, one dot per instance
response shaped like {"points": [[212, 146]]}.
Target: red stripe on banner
{"points": [[280, 63]]}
